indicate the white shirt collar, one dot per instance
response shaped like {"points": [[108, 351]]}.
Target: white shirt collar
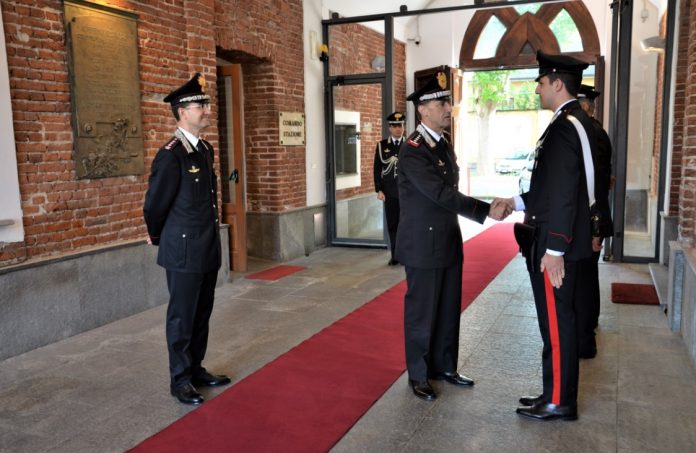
{"points": [[435, 135], [563, 105], [190, 137]]}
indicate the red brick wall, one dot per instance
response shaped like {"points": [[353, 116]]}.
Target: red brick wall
{"points": [[63, 214], [352, 47], [682, 58], [266, 36], [687, 200]]}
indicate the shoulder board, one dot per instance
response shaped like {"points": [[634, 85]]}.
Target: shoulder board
{"points": [[172, 143], [415, 139]]}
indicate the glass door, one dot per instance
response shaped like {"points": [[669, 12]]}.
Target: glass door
{"points": [[640, 126], [356, 128]]}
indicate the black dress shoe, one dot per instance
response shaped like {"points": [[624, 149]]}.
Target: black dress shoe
{"points": [[393, 262], [454, 378], [187, 394], [531, 400], [210, 380], [423, 390], [548, 411]]}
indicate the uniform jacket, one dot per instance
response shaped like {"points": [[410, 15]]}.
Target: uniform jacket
{"points": [[181, 208], [557, 201], [385, 167], [429, 234]]}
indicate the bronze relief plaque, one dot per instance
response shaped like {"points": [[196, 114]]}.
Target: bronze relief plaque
{"points": [[105, 90]]}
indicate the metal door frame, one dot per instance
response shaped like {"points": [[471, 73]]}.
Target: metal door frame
{"points": [[622, 31]]}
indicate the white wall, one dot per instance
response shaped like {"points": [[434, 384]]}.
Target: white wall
{"points": [[10, 206], [314, 105]]}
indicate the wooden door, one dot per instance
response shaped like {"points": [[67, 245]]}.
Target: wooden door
{"points": [[231, 129]]}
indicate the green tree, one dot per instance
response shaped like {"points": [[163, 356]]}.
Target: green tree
{"points": [[488, 92]]}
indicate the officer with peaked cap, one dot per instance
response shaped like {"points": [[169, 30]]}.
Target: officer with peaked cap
{"points": [[385, 176], [182, 218], [429, 242], [588, 303], [557, 205]]}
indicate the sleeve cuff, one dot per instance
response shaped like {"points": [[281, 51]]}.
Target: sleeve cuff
{"points": [[519, 203]]}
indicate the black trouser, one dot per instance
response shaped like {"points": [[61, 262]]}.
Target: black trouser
{"points": [[391, 209], [557, 326], [432, 308], [587, 302], [191, 298]]}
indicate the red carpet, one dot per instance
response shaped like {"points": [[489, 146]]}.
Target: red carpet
{"points": [[634, 293], [275, 273], [308, 398]]}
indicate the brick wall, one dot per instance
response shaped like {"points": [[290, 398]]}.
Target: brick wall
{"points": [[687, 200], [64, 214], [266, 37], [682, 58]]}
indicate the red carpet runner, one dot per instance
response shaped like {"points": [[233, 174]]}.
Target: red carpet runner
{"points": [[308, 398]]}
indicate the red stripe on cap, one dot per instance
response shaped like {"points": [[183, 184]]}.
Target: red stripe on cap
{"points": [[555, 340]]}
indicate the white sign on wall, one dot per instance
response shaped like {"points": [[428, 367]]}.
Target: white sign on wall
{"points": [[291, 128]]}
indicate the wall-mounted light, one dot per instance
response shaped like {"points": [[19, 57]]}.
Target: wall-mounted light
{"points": [[378, 63], [653, 44], [324, 52]]}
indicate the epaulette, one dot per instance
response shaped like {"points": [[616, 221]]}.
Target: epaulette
{"points": [[172, 143], [415, 139]]}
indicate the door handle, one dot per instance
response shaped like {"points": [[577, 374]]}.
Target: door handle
{"points": [[234, 176]]}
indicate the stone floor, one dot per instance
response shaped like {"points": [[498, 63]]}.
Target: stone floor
{"points": [[107, 389]]}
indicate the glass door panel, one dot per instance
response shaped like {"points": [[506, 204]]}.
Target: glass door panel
{"points": [[356, 129], [647, 71]]}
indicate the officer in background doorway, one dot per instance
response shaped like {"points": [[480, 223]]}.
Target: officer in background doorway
{"points": [[588, 299], [385, 176], [182, 219]]}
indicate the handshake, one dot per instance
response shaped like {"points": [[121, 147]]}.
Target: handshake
{"points": [[501, 208]]}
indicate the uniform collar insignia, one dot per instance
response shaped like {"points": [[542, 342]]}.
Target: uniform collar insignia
{"points": [[429, 140]]}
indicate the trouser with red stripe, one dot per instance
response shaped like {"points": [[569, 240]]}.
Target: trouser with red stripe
{"points": [[556, 316]]}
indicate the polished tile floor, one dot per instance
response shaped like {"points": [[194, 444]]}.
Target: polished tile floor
{"points": [[107, 389]]}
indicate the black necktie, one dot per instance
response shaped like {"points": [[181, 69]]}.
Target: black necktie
{"points": [[396, 142], [201, 147]]}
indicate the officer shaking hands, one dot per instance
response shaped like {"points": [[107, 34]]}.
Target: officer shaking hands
{"points": [[182, 219], [557, 206], [429, 242], [386, 174]]}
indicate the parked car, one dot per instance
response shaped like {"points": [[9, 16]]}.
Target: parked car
{"points": [[526, 173], [512, 163]]}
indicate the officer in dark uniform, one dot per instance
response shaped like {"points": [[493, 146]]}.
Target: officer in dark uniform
{"points": [[385, 176], [182, 218], [588, 299], [557, 205], [429, 242]]}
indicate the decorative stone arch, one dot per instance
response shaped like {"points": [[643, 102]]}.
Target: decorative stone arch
{"points": [[526, 33]]}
